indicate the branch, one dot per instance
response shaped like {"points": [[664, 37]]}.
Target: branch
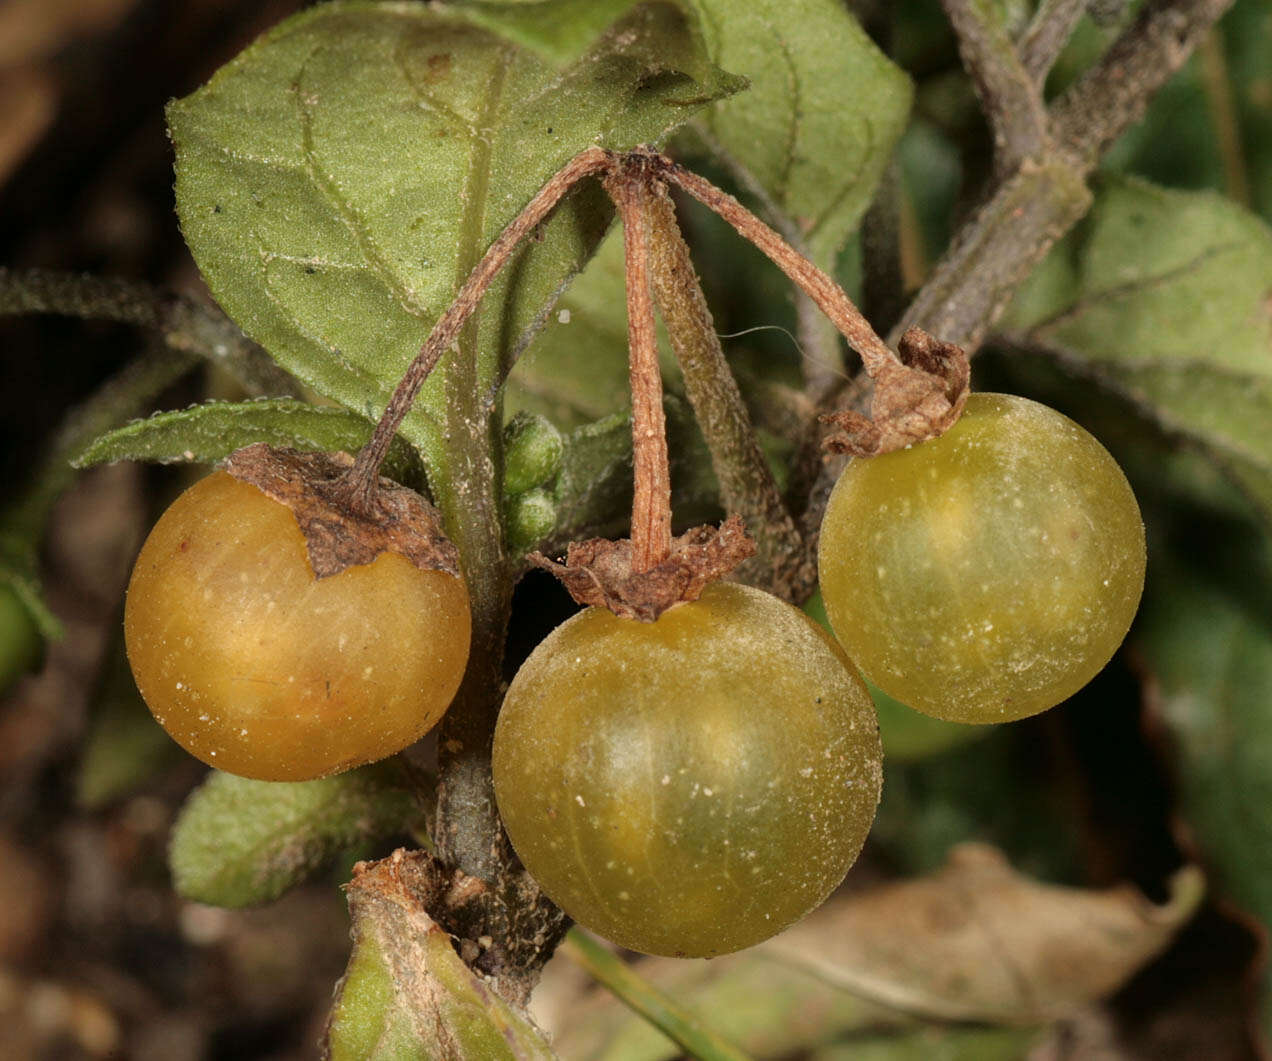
{"points": [[1009, 96], [747, 487], [1114, 93], [818, 341], [1024, 213], [1046, 36], [184, 324]]}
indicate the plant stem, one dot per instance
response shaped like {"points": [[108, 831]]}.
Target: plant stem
{"points": [[1009, 97], [184, 324], [1050, 30], [1115, 92], [362, 476], [818, 285], [818, 341], [662, 1011], [651, 501], [747, 487], [1217, 85], [994, 252]]}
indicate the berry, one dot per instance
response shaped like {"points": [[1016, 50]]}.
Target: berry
{"points": [[987, 574], [693, 785], [260, 669]]}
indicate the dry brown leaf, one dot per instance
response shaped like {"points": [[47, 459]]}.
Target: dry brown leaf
{"points": [[978, 941]]}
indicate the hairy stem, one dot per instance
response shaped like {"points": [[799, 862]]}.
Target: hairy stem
{"points": [[651, 500], [1115, 92], [184, 325], [747, 486], [814, 282], [1009, 96], [1046, 36], [823, 362], [362, 476]]}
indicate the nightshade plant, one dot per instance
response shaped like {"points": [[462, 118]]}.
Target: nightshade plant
{"points": [[404, 207]]}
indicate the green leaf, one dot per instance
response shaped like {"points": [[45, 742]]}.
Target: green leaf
{"points": [[407, 994], [211, 432], [239, 842], [1207, 639], [340, 178], [824, 111], [1172, 309], [575, 371], [558, 30]]}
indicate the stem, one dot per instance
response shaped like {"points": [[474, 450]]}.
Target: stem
{"points": [[362, 476], [661, 1010], [1009, 96], [994, 252], [1217, 85], [651, 501], [823, 362], [1115, 92], [815, 283], [747, 486], [185, 325], [1050, 30]]}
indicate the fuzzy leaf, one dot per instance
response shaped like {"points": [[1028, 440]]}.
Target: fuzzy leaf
{"points": [[558, 30], [338, 179], [1174, 309], [1209, 648], [239, 842], [407, 994], [575, 371], [823, 114], [211, 432]]}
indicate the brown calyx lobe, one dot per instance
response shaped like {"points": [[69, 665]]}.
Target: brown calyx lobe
{"points": [[600, 572], [916, 398], [338, 534]]}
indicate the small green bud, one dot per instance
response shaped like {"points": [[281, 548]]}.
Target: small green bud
{"points": [[530, 517], [532, 453]]}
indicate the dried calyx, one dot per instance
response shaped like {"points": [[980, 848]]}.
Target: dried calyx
{"points": [[917, 397], [339, 534], [600, 572]]}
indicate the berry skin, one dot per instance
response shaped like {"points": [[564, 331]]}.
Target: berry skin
{"points": [[258, 668], [988, 574], [693, 785]]}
